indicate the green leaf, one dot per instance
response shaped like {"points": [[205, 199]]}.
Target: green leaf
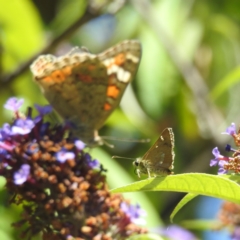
{"points": [[235, 178], [203, 224], [68, 12], [197, 183], [183, 202], [21, 31]]}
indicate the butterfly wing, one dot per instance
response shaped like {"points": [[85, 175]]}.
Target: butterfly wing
{"points": [[85, 88], [121, 62], [159, 158]]}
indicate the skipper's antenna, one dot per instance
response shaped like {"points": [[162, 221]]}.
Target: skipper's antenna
{"points": [[126, 139], [123, 157]]}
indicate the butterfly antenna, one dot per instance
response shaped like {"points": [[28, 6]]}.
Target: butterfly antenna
{"points": [[123, 157], [106, 143], [126, 139]]}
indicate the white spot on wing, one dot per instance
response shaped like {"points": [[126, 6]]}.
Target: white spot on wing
{"points": [[132, 57], [123, 76], [107, 62], [113, 69]]}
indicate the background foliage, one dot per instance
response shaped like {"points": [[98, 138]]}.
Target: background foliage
{"points": [[187, 80]]}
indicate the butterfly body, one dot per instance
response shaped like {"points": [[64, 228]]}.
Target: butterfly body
{"points": [[85, 88], [158, 160]]}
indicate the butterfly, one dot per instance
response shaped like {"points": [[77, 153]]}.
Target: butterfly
{"points": [[85, 88], [158, 160]]}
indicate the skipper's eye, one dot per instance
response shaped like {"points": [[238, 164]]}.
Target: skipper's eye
{"points": [[136, 163]]}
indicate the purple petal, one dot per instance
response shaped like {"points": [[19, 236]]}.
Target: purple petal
{"points": [[22, 174], [214, 162], [13, 104], [5, 131], [91, 163], [94, 163], [221, 163], [216, 152], [124, 206], [175, 232], [231, 130], [87, 157], [80, 145], [236, 233], [43, 110], [222, 170], [63, 155], [22, 126], [134, 213]]}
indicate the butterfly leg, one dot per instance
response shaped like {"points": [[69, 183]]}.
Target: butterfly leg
{"points": [[138, 172], [149, 174]]}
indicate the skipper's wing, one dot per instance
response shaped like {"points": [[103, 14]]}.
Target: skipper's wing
{"points": [[161, 154]]}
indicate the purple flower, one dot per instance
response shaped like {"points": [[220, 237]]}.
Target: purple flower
{"points": [[22, 174], [91, 163], [175, 232], [134, 213], [80, 145], [217, 155], [13, 104], [231, 130], [22, 126], [236, 234], [221, 169], [5, 131], [219, 160], [43, 110], [32, 148], [94, 163], [4, 153], [63, 155]]}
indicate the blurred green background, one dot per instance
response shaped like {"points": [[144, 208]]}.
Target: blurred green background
{"points": [[188, 80]]}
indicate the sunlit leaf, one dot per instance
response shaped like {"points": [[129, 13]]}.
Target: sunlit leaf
{"points": [[22, 31], [197, 183], [203, 224], [182, 203], [69, 12]]}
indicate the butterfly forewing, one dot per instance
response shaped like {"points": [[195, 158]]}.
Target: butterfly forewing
{"points": [[158, 160], [162, 150], [121, 62]]}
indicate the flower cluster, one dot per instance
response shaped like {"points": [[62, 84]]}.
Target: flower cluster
{"points": [[63, 191], [228, 164], [229, 215]]}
